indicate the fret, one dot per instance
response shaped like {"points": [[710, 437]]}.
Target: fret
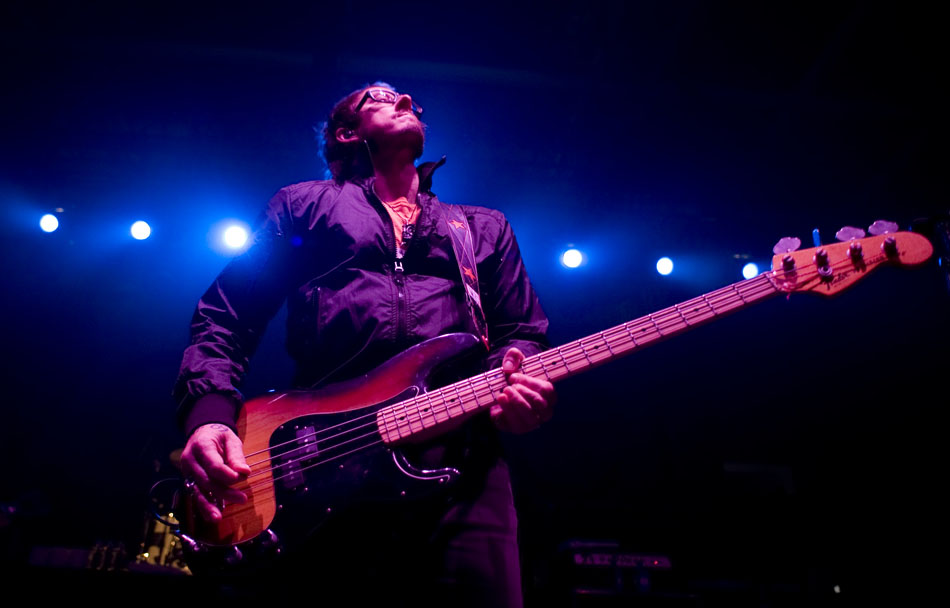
{"points": [[735, 288], [471, 383], [446, 405], [672, 320], [537, 360], [679, 312], [762, 285], [414, 414], [633, 338], [491, 390], [406, 419], [458, 395], [593, 349], [559, 352], [695, 313], [709, 305], [429, 411], [723, 301], [531, 366], [388, 418], [573, 350]]}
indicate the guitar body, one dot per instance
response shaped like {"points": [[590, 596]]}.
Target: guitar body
{"points": [[313, 453]]}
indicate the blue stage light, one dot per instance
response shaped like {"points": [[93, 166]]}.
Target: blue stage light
{"points": [[235, 236], [141, 230], [49, 223], [572, 258], [750, 270], [664, 266]]}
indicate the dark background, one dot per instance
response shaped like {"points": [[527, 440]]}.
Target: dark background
{"points": [[772, 455]]}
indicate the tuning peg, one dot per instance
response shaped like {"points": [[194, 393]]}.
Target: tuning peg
{"points": [[882, 227], [822, 263], [849, 233], [787, 244]]}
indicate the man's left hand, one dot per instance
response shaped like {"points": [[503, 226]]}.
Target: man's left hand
{"points": [[526, 402]]}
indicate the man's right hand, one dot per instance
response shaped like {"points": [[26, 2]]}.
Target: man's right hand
{"points": [[213, 459]]}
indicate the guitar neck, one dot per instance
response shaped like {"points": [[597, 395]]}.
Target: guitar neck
{"points": [[421, 416], [621, 340]]}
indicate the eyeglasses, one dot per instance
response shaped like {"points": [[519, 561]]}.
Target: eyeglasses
{"points": [[386, 96]]}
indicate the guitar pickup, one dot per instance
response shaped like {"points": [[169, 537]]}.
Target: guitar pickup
{"points": [[306, 442], [289, 474], [295, 460]]}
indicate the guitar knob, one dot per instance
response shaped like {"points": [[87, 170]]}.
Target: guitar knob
{"points": [[269, 539], [849, 233], [882, 227], [234, 556], [787, 244], [189, 543]]}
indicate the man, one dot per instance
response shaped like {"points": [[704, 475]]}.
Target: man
{"points": [[367, 266]]}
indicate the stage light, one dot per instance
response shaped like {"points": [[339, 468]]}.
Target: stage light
{"points": [[572, 258], [141, 230], [664, 266], [750, 270], [49, 223], [235, 237]]}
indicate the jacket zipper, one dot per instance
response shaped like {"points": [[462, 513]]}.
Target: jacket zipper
{"points": [[399, 280], [402, 314]]}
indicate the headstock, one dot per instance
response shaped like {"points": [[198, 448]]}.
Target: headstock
{"points": [[828, 269]]}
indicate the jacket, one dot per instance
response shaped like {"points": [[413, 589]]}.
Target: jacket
{"points": [[328, 251]]}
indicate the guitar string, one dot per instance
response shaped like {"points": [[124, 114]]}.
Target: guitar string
{"points": [[363, 418], [660, 320], [428, 396], [345, 432], [661, 323], [272, 480]]}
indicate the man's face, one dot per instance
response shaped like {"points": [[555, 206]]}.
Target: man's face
{"points": [[387, 120]]}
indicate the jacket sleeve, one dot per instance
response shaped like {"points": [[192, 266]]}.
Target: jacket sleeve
{"points": [[512, 309], [228, 323]]}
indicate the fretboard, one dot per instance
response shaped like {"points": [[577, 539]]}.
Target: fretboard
{"points": [[445, 406]]}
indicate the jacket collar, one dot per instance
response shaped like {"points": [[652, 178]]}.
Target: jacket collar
{"points": [[428, 219], [425, 174], [425, 171]]}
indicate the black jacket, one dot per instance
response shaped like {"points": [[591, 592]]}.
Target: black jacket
{"points": [[329, 251]]}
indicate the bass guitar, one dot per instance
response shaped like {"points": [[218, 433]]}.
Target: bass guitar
{"points": [[313, 453]]}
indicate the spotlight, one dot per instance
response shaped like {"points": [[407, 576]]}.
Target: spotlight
{"points": [[141, 230], [750, 270], [664, 266], [49, 223], [572, 258], [235, 237]]}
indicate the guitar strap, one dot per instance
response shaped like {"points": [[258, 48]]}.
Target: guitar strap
{"points": [[464, 247]]}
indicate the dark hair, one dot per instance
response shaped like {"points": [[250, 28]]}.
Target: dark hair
{"points": [[346, 160]]}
